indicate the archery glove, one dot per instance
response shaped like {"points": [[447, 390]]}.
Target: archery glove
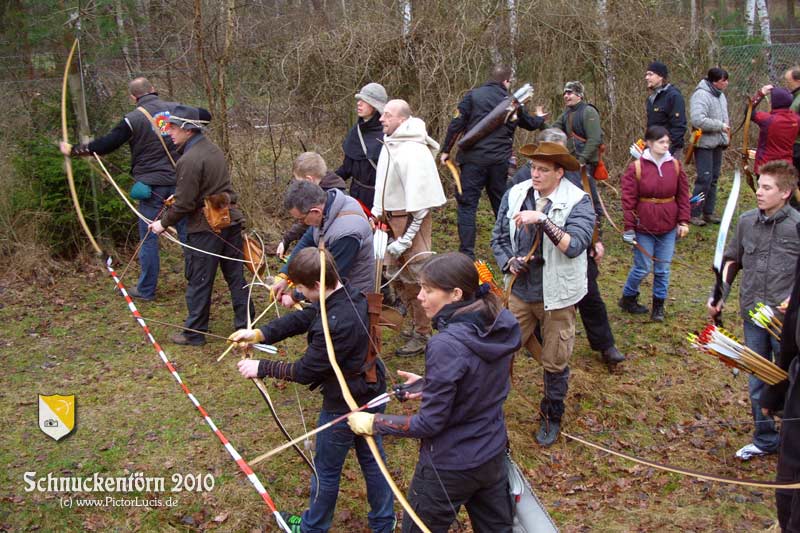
{"points": [[515, 264], [246, 336], [361, 423], [629, 237], [397, 247]]}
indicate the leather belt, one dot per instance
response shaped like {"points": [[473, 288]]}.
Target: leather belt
{"points": [[657, 200]]}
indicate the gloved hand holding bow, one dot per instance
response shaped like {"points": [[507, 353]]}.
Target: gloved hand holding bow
{"points": [[629, 237], [361, 423]]}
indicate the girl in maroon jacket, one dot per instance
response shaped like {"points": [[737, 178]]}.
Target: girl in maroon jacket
{"points": [[778, 128], [655, 204]]}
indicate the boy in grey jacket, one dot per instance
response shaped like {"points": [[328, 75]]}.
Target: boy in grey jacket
{"points": [[765, 248]]}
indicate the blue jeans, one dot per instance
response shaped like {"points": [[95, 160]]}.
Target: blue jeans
{"points": [[662, 247], [333, 446], [765, 436], [709, 163], [148, 253]]}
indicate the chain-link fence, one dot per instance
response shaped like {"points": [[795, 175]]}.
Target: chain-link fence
{"points": [[752, 64]]}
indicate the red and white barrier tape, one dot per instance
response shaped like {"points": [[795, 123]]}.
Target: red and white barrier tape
{"points": [[243, 466]]}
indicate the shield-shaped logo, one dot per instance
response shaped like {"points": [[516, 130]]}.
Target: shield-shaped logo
{"points": [[56, 415]]}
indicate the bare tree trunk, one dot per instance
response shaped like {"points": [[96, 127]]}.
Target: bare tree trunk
{"points": [[692, 22], [790, 13], [512, 32], [118, 15], [763, 21], [201, 55], [405, 7], [608, 66], [749, 16], [222, 66], [766, 35]]}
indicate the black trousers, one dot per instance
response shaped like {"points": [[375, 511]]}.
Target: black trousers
{"points": [[201, 269], [796, 156], [788, 501], [482, 490], [475, 178], [593, 312]]}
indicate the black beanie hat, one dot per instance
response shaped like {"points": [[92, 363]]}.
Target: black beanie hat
{"points": [[659, 68]]}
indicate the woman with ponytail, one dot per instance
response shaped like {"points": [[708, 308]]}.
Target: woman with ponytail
{"points": [[460, 421]]}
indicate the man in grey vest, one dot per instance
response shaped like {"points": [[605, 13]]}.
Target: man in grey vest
{"points": [[340, 222], [153, 157], [543, 229]]}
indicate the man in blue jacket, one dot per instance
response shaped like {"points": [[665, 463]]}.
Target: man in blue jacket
{"points": [[665, 106], [484, 165]]}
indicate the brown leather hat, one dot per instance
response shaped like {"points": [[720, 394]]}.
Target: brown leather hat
{"points": [[528, 149], [552, 152]]}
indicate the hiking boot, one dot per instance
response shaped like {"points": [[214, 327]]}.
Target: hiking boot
{"points": [[697, 221], [712, 219], [133, 292], [415, 346], [658, 310], [612, 356], [748, 452], [548, 432], [183, 340], [293, 521], [630, 305], [407, 332]]}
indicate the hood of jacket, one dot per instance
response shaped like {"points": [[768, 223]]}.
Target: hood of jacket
{"points": [[488, 339], [705, 85], [413, 130], [331, 180]]}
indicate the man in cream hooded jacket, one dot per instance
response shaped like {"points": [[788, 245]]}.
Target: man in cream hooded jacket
{"points": [[407, 187]]}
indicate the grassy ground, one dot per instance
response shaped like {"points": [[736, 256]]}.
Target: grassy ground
{"points": [[666, 403]]}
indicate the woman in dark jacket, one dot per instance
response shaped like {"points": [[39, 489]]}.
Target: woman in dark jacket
{"points": [[362, 145], [460, 421], [655, 206]]}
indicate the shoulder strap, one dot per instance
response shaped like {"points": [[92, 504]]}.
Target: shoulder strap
{"points": [[364, 146], [351, 213], [677, 166], [155, 130], [572, 129], [637, 166]]}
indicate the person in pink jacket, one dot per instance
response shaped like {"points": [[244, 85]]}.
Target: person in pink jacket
{"points": [[655, 205]]}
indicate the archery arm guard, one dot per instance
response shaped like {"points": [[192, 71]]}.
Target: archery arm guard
{"points": [[553, 232], [393, 424]]}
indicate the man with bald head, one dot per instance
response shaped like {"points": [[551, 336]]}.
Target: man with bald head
{"points": [[153, 158], [407, 187]]}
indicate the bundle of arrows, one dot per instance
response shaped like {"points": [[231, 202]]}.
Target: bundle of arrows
{"points": [[719, 343], [764, 317], [485, 276]]}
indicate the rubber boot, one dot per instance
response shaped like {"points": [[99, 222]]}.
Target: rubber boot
{"points": [[630, 305], [658, 310]]}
